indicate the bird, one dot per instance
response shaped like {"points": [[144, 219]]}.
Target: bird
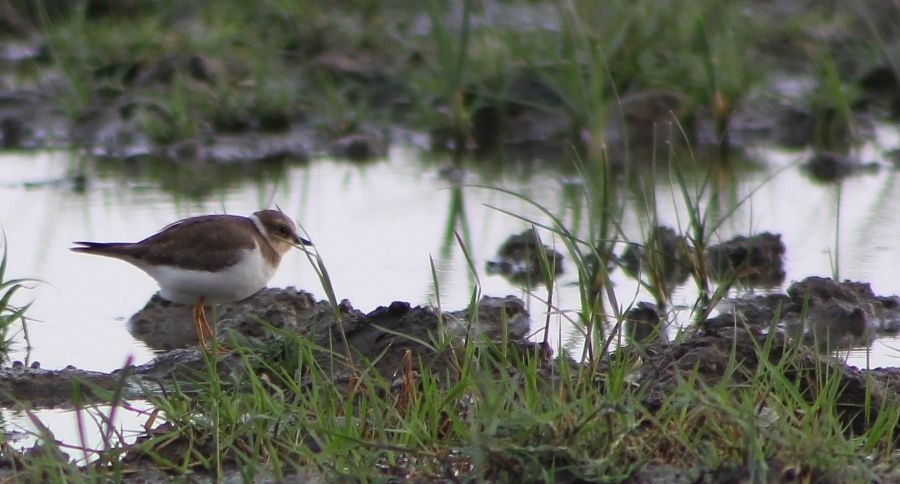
{"points": [[209, 259]]}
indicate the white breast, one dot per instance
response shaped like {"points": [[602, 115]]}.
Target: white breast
{"points": [[237, 282]]}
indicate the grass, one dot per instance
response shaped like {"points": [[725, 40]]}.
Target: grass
{"points": [[832, 102], [497, 411], [437, 66], [506, 416], [10, 314]]}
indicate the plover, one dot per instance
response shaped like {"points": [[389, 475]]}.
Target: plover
{"points": [[209, 259]]}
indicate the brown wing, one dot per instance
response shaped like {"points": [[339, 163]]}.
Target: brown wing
{"points": [[206, 243]]}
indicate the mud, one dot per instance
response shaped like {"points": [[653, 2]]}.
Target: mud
{"points": [[127, 114], [756, 261], [52, 388], [644, 324], [833, 167], [382, 336], [666, 260], [813, 310], [386, 335], [525, 260], [821, 311], [708, 354], [358, 146]]}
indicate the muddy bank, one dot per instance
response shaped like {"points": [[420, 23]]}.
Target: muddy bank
{"points": [[820, 311], [221, 106], [382, 336], [391, 337], [813, 311]]}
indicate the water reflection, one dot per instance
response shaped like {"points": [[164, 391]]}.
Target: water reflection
{"points": [[379, 225], [163, 325], [196, 181], [83, 433], [524, 260]]}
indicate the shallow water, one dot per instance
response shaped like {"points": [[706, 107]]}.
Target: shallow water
{"points": [[79, 441], [377, 224]]}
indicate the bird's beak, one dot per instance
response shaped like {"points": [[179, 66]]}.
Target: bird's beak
{"points": [[299, 242]]}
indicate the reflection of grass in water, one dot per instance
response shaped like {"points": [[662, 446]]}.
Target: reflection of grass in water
{"points": [[591, 217], [498, 414], [197, 181]]}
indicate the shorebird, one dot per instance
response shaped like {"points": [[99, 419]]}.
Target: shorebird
{"points": [[209, 259]]}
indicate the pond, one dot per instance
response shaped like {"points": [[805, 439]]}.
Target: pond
{"points": [[378, 224]]}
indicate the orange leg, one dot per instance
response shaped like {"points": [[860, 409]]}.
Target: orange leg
{"points": [[204, 332]]}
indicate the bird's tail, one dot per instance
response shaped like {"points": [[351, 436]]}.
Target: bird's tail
{"points": [[112, 249]]}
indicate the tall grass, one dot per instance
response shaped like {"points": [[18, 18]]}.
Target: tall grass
{"points": [[500, 410], [450, 75], [10, 314], [67, 46], [283, 414], [832, 103]]}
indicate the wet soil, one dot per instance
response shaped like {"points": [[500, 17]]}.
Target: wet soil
{"points": [[382, 336], [666, 259], [130, 123], [526, 261], [389, 334], [51, 388], [755, 261], [128, 111], [822, 312]]}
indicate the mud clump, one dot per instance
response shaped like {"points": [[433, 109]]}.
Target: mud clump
{"points": [[818, 310], [706, 356], [755, 261], [358, 147], [827, 166], [373, 336], [664, 258], [644, 324], [382, 336], [51, 388], [525, 261]]}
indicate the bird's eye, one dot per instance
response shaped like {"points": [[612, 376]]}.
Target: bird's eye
{"points": [[283, 230]]}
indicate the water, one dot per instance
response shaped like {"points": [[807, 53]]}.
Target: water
{"points": [[94, 434], [377, 225]]}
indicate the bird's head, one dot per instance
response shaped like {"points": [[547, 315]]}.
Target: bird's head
{"points": [[280, 230]]}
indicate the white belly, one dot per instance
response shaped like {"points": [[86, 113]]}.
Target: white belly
{"points": [[237, 282]]}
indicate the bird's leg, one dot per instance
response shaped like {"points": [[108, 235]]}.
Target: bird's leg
{"points": [[204, 332]]}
